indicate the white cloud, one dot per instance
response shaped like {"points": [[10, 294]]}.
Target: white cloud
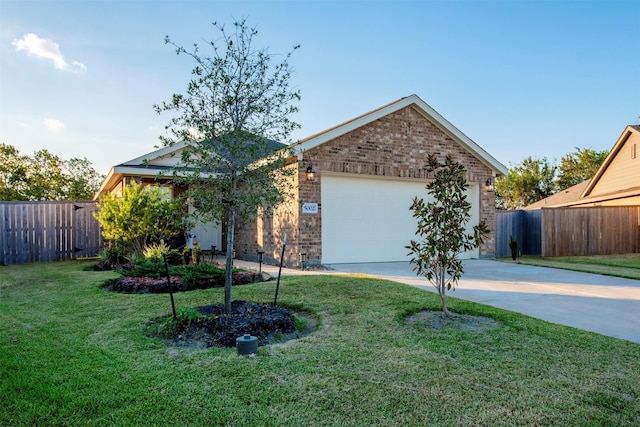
{"points": [[48, 49], [196, 134], [54, 125], [79, 67]]}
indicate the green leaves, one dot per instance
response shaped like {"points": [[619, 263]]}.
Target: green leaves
{"points": [[441, 226], [238, 104], [534, 179], [139, 216], [45, 176]]}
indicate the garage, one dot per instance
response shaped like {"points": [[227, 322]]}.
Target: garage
{"points": [[367, 219]]}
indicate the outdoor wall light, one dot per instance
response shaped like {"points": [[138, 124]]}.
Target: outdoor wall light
{"points": [[310, 173], [489, 186]]}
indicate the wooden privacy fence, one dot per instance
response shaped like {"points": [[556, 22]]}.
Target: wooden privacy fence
{"points": [[524, 226], [591, 231], [602, 230], [48, 231]]}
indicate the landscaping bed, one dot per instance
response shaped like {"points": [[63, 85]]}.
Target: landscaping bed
{"points": [[150, 277], [209, 326], [156, 285]]}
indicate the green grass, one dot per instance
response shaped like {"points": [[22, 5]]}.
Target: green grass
{"points": [[73, 354], [624, 265]]}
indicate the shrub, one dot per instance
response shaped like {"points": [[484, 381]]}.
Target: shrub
{"points": [[114, 255], [138, 216], [154, 253], [147, 268], [168, 327], [197, 272]]}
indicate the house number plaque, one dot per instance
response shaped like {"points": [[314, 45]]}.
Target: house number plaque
{"points": [[309, 208]]}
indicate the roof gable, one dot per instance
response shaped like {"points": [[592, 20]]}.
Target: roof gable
{"points": [[620, 171], [165, 156], [423, 109]]}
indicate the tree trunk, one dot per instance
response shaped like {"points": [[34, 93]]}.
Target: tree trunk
{"points": [[442, 287], [228, 273], [443, 300]]}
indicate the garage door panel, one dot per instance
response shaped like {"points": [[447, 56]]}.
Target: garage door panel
{"points": [[368, 220]]}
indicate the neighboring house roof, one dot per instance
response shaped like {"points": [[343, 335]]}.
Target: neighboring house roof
{"points": [[617, 180], [566, 196], [633, 178], [421, 107]]}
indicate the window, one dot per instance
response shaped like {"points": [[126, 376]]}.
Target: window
{"points": [[166, 193]]}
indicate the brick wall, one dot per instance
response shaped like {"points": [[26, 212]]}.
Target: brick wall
{"points": [[396, 145]]}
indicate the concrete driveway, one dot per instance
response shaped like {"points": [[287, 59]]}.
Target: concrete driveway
{"points": [[592, 302]]}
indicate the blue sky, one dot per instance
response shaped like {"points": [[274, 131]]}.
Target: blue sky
{"points": [[520, 78]]}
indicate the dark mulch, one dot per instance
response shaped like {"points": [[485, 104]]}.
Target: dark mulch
{"points": [[155, 285], [267, 323], [109, 266], [261, 321]]}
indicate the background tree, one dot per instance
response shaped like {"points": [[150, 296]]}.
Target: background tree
{"points": [[442, 227], [578, 166], [45, 176], [236, 106], [138, 217], [526, 183], [81, 180], [14, 169]]}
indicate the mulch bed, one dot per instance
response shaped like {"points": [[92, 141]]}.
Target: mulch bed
{"points": [[264, 322], [155, 285]]}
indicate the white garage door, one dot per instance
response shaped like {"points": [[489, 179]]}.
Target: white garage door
{"points": [[368, 219]]}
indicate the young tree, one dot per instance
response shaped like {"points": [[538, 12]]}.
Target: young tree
{"points": [[526, 183], [442, 227], [578, 166], [236, 106], [139, 216]]}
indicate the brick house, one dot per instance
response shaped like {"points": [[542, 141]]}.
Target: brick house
{"points": [[354, 207], [353, 189]]}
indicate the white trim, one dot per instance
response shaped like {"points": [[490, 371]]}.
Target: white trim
{"points": [[162, 152], [421, 107]]}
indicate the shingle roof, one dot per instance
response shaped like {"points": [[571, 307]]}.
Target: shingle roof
{"points": [[568, 195]]}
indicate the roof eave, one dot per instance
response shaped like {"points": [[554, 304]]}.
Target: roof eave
{"points": [[421, 107]]}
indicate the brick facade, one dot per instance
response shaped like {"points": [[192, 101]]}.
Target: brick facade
{"points": [[395, 145]]}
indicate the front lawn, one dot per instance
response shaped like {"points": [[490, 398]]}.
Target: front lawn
{"points": [[72, 353]]}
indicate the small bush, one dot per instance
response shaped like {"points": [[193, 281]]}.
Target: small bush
{"points": [[197, 272], [168, 327], [114, 255], [174, 257], [154, 253], [147, 268]]}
